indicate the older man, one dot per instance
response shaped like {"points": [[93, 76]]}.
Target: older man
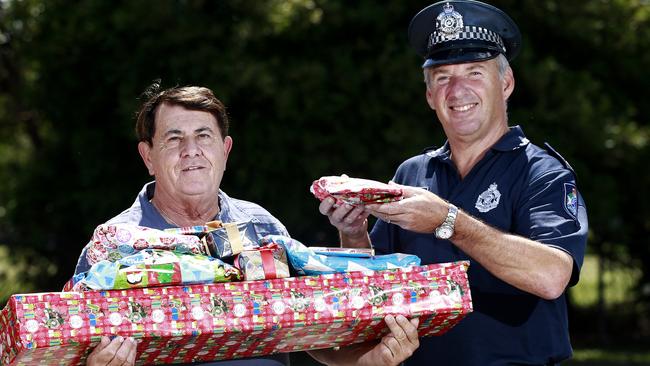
{"points": [[184, 143], [488, 195]]}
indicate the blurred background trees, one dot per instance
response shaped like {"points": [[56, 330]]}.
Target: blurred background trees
{"points": [[314, 87]]}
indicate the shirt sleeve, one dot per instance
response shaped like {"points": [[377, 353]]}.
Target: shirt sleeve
{"points": [[552, 211]]}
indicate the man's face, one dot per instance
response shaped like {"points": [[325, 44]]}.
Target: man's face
{"points": [[189, 155], [470, 99]]}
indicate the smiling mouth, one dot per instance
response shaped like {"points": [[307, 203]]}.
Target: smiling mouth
{"points": [[192, 168], [464, 107]]}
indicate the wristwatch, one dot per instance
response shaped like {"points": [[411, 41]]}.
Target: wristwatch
{"points": [[446, 229]]}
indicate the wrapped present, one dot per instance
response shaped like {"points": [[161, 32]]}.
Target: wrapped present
{"points": [[231, 239], [354, 191], [233, 320], [264, 263], [198, 230], [154, 267], [115, 241], [306, 261]]}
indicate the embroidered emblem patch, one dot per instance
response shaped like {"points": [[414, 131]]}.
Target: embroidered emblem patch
{"points": [[489, 199], [571, 199]]}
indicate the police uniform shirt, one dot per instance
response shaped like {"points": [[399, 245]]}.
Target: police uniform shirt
{"points": [[519, 188]]}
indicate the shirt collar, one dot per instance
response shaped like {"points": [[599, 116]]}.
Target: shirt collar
{"points": [[512, 140], [227, 211]]}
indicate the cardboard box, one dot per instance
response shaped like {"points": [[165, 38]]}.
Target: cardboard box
{"points": [[232, 320]]}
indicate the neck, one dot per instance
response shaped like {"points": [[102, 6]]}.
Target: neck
{"points": [[186, 214], [466, 154]]}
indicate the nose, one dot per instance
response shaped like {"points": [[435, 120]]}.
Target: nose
{"points": [[456, 86], [190, 147]]}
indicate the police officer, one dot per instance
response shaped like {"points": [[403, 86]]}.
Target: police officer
{"points": [[489, 195]]}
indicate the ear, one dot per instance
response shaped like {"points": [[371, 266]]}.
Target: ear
{"points": [[145, 151], [508, 83], [227, 146]]}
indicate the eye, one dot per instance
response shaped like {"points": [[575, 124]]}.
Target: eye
{"points": [[475, 74], [441, 79]]}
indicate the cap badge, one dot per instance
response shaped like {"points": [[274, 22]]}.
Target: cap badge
{"points": [[449, 23]]}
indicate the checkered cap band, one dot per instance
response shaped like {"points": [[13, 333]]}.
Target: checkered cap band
{"points": [[469, 32]]}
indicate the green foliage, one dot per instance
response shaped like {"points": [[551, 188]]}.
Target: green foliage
{"points": [[314, 87]]}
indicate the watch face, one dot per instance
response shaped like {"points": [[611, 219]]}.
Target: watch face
{"points": [[444, 232]]}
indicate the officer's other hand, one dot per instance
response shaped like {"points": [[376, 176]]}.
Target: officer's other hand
{"points": [[396, 346], [349, 220], [118, 352]]}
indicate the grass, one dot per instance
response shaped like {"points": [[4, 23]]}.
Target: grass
{"points": [[619, 284], [610, 357]]}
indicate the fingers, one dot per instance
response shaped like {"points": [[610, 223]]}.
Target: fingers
{"points": [[118, 352], [403, 339], [326, 206], [346, 218], [122, 354]]}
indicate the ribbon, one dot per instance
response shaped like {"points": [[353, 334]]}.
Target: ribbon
{"points": [[234, 237], [268, 262]]}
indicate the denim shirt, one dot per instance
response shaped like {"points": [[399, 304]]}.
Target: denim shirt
{"points": [[143, 213]]}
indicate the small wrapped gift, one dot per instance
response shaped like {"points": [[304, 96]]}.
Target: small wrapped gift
{"points": [[231, 239], [115, 241], [154, 267], [265, 263], [354, 191], [308, 262]]}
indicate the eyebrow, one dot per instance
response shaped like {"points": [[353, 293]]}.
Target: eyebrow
{"points": [[175, 131]]}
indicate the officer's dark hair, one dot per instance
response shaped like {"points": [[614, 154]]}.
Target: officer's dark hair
{"points": [[190, 97]]}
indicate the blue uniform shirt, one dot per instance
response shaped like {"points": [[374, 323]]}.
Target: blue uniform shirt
{"points": [[143, 213], [516, 187]]}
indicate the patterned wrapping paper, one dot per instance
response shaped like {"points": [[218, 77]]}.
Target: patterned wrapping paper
{"points": [[233, 320], [354, 191], [116, 241], [305, 261], [233, 238], [223, 239], [155, 267], [265, 263]]}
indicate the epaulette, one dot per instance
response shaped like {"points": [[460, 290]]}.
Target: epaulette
{"points": [[559, 157]]}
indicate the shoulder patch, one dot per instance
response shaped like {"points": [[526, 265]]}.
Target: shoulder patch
{"points": [[551, 151], [571, 200]]}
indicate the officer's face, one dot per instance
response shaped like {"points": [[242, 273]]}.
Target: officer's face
{"points": [[470, 99], [189, 155]]}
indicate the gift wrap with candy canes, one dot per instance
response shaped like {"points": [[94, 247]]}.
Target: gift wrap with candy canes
{"points": [[233, 320]]}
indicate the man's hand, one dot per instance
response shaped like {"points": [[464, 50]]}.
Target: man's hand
{"points": [[419, 211], [118, 352], [349, 220], [392, 350], [396, 346]]}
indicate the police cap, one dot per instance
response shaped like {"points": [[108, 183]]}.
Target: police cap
{"points": [[452, 32]]}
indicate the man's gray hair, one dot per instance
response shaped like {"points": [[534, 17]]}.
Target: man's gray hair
{"points": [[502, 64]]}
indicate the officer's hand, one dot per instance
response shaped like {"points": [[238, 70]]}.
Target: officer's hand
{"points": [[349, 220], [118, 352], [420, 210], [396, 346], [393, 348]]}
